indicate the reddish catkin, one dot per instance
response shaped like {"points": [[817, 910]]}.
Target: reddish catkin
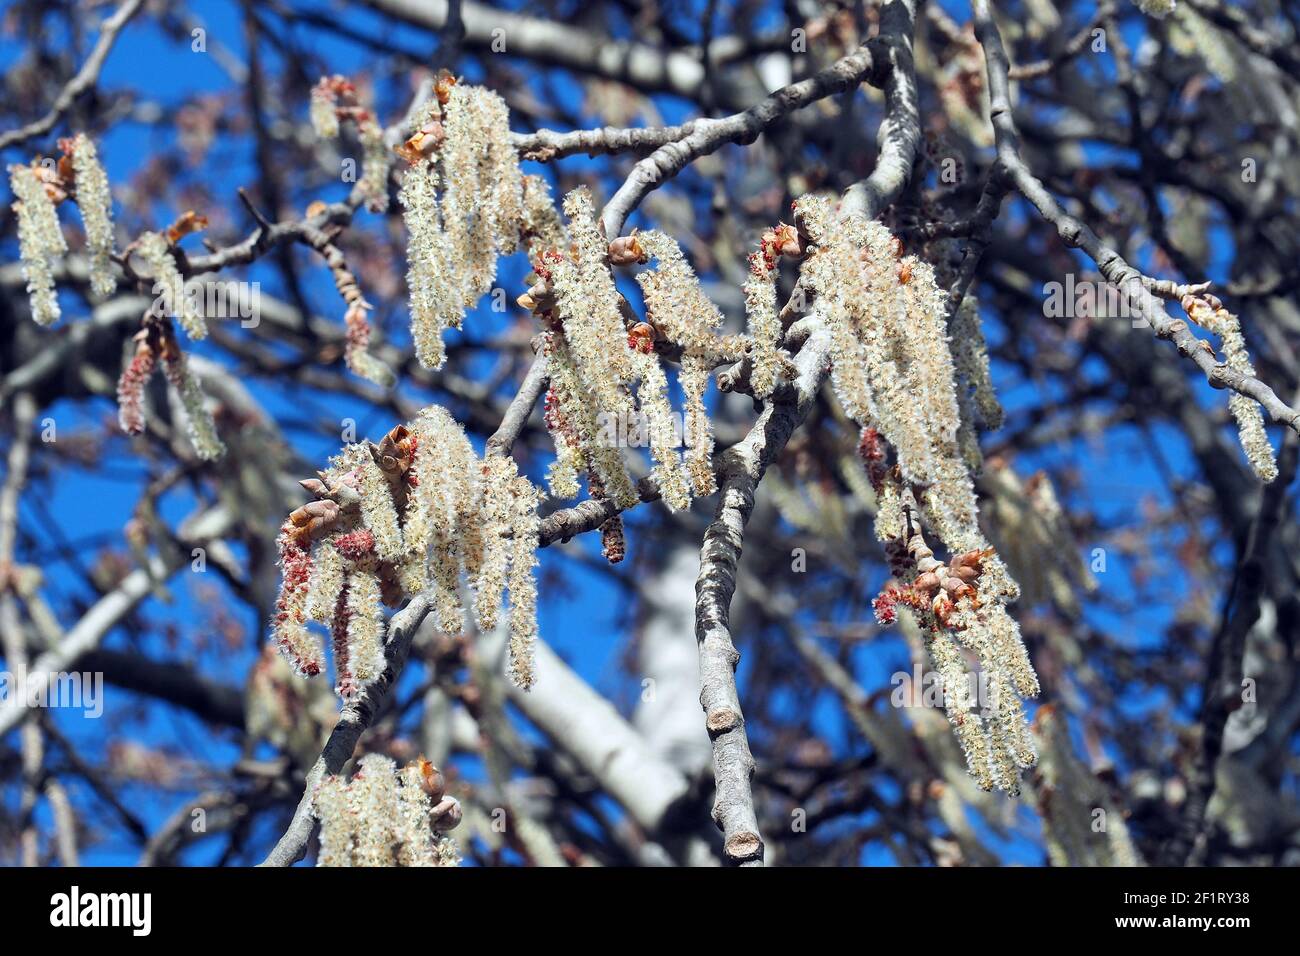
{"points": [[612, 542], [131, 386], [356, 545], [299, 646], [345, 684]]}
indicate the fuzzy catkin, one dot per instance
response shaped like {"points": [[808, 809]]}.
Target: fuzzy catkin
{"points": [[96, 203], [434, 300], [675, 302], [588, 303], [541, 225], [898, 375], [577, 408], [382, 817], [652, 394], [467, 197], [891, 362], [169, 285], [764, 325], [324, 118], [415, 846], [1246, 411], [332, 808], [40, 241], [199, 423], [522, 582], [694, 379], [372, 800], [496, 514], [378, 510], [432, 513], [375, 160], [455, 238], [365, 626], [328, 576]]}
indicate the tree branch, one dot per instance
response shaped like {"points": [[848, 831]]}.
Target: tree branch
{"points": [[86, 77], [1077, 235], [358, 714]]}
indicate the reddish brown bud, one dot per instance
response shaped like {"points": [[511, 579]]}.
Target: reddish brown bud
{"points": [[627, 250]]}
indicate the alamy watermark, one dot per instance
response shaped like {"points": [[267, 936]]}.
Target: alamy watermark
{"points": [[1086, 299], [210, 299], [60, 690], [635, 430], [923, 688]]}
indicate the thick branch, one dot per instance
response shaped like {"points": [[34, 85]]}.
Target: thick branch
{"points": [[743, 467]]}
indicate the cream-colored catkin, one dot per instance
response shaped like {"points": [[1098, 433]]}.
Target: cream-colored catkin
{"points": [[376, 161], [415, 846], [324, 118], [1191, 34], [380, 818], [681, 313], [896, 367], [763, 326], [525, 526], [95, 202], [447, 468], [169, 285], [588, 303], [1246, 411], [378, 510], [970, 353], [334, 811], [694, 379], [365, 627], [896, 371], [434, 298], [948, 663], [40, 241], [891, 363], [445, 582], [577, 406], [466, 195], [347, 553], [199, 423], [652, 395], [675, 302], [455, 239], [373, 794], [503, 210], [495, 519], [328, 575], [890, 523]]}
